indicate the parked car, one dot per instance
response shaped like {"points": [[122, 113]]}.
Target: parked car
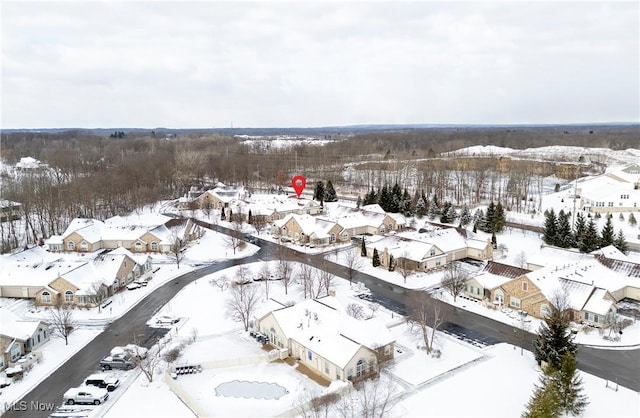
{"points": [[133, 286], [85, 395], [103, 381], [117, 362], [167, 320], [141, 282], [130, 350]]}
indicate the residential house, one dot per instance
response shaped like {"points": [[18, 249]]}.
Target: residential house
{"points": [[617, 190], [306, 229], [320, 335], [89, 235], [364, 221], [9, 211], [19, 337], [536, 291], [486, 285]]}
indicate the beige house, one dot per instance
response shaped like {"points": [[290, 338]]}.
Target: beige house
{"points": [[89, 235], [19, 337], [306, 229], [320, 335], [535, 292], [485, 286]]}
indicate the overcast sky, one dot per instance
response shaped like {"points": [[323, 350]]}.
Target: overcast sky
{"points": [[306, 63]]}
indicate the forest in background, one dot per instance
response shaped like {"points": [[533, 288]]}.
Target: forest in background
{"points": [[99, 176]]}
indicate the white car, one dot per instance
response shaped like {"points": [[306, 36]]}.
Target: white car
{"points": [[85, 395], [133, 286], [167, 320]]}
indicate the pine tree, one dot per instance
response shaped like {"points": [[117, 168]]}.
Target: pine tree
{"points": [[554, 339], [330, 193], [421, 207], [396, 198], [465, 216], [494, 240], [376, 258], [580, 226], [391, 263], [249, 217], [359, 202], [545, 402], [590, 239], [384, 199], [607, 235], [406, 204], [318, 191], [568, 385], [500, 218], [434, 207], [620, 242], [363, 248], [632, 219], [563, 236], [489, 217], [447, 214], [550, 233]]}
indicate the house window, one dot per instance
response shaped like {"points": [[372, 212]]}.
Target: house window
{"points": [[46, 297], [610, 204], [438, 262], [68, 296], [372, 365], [84, 246], [70, 246], [360, 368], [382, 229], [515, 302], [525, 286], [390, 227], [138, 246], [154, 246], [349, 373], [333, 237], [345, 236], [387, 350], [432, 252], [326, 367], [545, 312], [309, 355]]}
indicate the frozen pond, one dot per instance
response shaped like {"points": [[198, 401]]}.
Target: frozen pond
{"points": [[246, 389]]}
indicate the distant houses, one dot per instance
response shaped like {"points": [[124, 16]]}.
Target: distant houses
{"points": [[617, 190]]}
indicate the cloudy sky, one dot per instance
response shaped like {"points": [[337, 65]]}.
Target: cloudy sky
{"points": [[317, 63]]}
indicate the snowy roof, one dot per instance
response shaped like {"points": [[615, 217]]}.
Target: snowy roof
{"points": [[90, 229], [608, 186], [373, 208], [86, 275], [447, 239], [612, 252], [14, 327], [308, 224], [552, 256], [139, 258], [353, 218], [34, 273], [324, 328], [597, 303]]}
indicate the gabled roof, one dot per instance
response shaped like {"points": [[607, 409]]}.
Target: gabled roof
{"points": [[447, 239], [597, 303], [612, 252], [323, 327], [13, 326], [628, 268], [140, 258], [504, 270], [89, 229]]}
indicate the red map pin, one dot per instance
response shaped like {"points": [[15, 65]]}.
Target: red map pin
{"points": [[298, 183]]}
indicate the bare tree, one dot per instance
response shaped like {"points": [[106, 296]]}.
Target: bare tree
{"points": [[221, 282], [353, 262], [259, 222], [306, 277], [265, 274], [234, 240], [521, 260], [242, 276], [321, 406], [60, 316], [97, 293], [285, 273], [370, 399], [373, 308], [403, 266], [242, 303], [424, 317], [355, 310], [176, 248], [454, 279], [206, 208], [325, 281]]}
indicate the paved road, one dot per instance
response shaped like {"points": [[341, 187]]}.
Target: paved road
{"points": [[621, 366]]}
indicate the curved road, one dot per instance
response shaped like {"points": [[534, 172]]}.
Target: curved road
{"points": [[621, 366]]}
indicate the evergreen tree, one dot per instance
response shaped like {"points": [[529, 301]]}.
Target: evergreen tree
{"points": [[359, 202], [447, 213], [434, 207], [580, 227], [568, 385], [632, 219], [549, 232], [590, 239], [500, 218], [249, 217], [607, 235], [478, 220], [465, 216], [396, 198], [563, 236], [489, 218], [494, 240], [391, 263], [318, 191], [370, 198], [406, 204], [421, 207], [545, 402], [363, 248], [554, 339], [376, 258], [620, 242], [384, 199], [330, 193]]}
